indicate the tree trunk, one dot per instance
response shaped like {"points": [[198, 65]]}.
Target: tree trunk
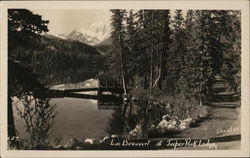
{"points": [[159, 78], [163, 68], [122, 66], [11, 125], [151, 70], [145, 86]]}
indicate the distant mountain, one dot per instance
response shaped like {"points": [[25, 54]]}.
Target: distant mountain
{"points": [[58, 37], [61, 44], [106, 42], [104, 47], [92, 35]]}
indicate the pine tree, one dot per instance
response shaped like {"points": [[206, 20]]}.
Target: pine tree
{"points": [[163, 45], [198, 61], [130, 44], [23, 26], [117, 35], [178, 50], [231, 40]]}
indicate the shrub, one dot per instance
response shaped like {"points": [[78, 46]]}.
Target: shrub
{"points": [[178, 107]]}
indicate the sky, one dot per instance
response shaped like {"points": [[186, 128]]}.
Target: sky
{"points": [[64, 21]]}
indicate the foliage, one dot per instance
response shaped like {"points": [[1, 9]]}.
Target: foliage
{"points": [[116, 123], [39, 116], [231, 67], [182, 107], [174, 62], [25, 20], [163, 110], [22, 25], [21, 81], [183, 54]]}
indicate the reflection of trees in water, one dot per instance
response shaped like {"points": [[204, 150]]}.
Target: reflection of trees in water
{"points": [[39, 116], [52, 75], [115, 123], [133, 114], [37, 113], [125, 119]]}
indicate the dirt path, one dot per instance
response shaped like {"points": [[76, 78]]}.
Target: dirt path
{"points": [[222, 123], [219, 122]]}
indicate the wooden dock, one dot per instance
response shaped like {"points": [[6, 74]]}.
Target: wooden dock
{"points": [[107, 97]]}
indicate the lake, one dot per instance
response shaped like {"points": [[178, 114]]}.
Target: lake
{"points": [[76, 118]]}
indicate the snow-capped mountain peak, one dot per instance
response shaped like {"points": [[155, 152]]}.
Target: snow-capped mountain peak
{"points": [[93, 34]]}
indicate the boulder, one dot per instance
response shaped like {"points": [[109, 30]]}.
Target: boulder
{"points": [[174, 122], [114, 136], [172, 127], [162, 126], [188, 120], [72, 144], [105, 138], [90, 141], [183, 125], [59, 147], [137, 131], [166, 117]]}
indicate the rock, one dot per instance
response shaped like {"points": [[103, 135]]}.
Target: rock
{"points": [[172, 127], [201, 116], [59, 147], [105, 138], [183, 125], [72, 144], [166, 117], [137, 131], [163, 126], [90, 141], [174, 122], [132, 133], [188, 120]]}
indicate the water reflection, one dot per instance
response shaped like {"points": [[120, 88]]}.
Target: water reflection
{"points": [[39, 117], [51, 76], [80, 119], [77, 117]]}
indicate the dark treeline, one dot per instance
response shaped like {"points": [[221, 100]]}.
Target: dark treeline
{"points": [[46, 50], [49, 56], [29, 46], [178, 55]]}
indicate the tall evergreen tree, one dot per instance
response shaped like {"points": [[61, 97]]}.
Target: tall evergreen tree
{"points": [[22, 25], [163, 45], [178, 50], [117, 36], [230, 37]]}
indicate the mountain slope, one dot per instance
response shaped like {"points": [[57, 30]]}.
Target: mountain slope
{"points": [[92, 35], [106, 42], [105, 46]]}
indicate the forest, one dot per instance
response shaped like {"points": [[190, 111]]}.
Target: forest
{"points": [[159, 50], [169, 63]]}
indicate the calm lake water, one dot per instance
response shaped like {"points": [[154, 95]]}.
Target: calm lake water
{"points": [[76, 118]]}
